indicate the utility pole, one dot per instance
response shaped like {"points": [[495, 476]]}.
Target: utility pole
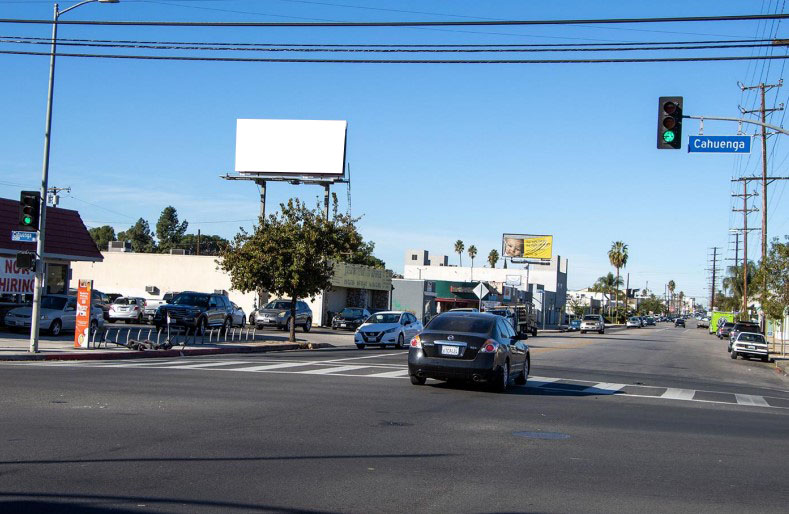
{"points": [[714, 270], [198, 241], [53, 195], [745, 195], [763, 88]]}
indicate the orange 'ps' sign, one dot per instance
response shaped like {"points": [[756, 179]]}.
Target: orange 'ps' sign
{"points": [[82, 328]]}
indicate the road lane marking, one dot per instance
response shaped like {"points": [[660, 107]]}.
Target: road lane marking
{"points": [[270, 366], [678, 394], [604, 388], [364, 357], [400, 373], [543, 380], [205, 365], [327, 371], [748, 399]]}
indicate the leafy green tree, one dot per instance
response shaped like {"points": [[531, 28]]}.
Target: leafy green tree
{"points": [[607, 284], [290, 253], [209, 244], [493, 258], [102, 236], [617, 256], [459, 247], [652, 304], [774, 274], [169, 230], [472, 252], [140, 236], [733, 282]]}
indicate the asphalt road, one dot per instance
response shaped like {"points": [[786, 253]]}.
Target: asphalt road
{"points": [[652, 420]]}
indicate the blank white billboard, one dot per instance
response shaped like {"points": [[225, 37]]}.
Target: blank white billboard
{"points": [[291, 147]]}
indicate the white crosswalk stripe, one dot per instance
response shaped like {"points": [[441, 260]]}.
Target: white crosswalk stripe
{"points": [[374, 370]]}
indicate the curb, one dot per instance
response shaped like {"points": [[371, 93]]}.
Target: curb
{"points": [[158, 354], [781, 368]]}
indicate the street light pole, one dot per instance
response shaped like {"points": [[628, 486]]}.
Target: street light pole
{"points": [[38, 284]]}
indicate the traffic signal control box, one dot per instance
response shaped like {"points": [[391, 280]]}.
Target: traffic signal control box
{"points": [[669, 127], [29, 209]]}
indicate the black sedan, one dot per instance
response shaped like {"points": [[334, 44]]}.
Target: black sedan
{"points": [[350, 318], [679, 322], [472, 346]]}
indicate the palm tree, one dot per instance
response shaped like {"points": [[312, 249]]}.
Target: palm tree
{"points": [[493, 258], [606, 285], [671, 286], [681, 304], [734, 282], [617, 256], [472, 252], [459, 247]]}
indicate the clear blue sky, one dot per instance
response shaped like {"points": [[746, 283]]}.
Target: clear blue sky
{"points": [[438, 152]]}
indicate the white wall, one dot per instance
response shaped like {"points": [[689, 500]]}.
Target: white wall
{"points": [[129, 273]]}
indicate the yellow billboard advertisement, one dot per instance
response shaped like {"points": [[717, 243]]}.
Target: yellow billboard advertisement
{"points": [[526, 246]]}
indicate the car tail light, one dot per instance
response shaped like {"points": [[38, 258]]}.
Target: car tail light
{"points": [[416, 342], [489, 346]]}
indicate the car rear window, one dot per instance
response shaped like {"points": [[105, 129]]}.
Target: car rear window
{"points": [[123, 301], [461, 324], [751, 338]]}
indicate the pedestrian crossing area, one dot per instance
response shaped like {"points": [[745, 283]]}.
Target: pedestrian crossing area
{"points": [[358, 368]]}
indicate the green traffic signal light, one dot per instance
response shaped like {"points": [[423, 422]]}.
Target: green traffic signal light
{"points": [[668, 136], [28, 220]]}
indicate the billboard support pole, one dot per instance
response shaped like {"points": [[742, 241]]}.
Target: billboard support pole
{"points": [[326, 188], [262, 185]]}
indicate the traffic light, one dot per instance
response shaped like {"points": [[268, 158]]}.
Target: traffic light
{"points": [[669, 130], [29, 209], [26, 260]]}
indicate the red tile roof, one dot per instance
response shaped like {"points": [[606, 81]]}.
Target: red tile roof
{"points": [[66, 235]]}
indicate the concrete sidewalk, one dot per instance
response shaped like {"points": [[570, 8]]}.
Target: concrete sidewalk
{"points": [[15, 347]]}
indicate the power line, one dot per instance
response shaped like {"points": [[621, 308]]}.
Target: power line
{"points": [[392, 49], [683, 19], [404, 61]]}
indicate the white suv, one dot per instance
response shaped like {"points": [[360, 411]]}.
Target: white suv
{"points": [[593, 322]]}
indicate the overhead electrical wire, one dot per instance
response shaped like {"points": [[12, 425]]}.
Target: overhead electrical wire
{"points": [[685, 19], [392, 49], [403, 61]]}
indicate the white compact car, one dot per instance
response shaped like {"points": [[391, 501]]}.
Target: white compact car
{"points": [[58, 313], [389, 328], [127, 308], [633, 322], [749, 345]]}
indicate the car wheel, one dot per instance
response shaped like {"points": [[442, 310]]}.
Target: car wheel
{"points": [[360, 346], [307, 325], [534, 332], [765, 359], [503, 380], [243, 322], [400, 341], [583, 331], [202, 327], [110, 320], [94, 325], [55, 328], [521, 380], [418, 381], [226, 326], [734, 355], [602, 332]]}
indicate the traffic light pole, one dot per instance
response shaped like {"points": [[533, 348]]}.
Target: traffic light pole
{"points": [[38, 287], [739, 120]]}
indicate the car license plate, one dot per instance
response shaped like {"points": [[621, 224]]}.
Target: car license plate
{"points": [[342, 325], [450, 350], [751, 347]]}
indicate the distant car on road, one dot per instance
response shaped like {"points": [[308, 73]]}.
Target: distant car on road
{"points": [[593, 322], [749, 344], [703, 323], [350, 318], [128, 309], [633, 322], [276, 314], [574, 326], [650, 321], [387, 328], [679, 322], [724, 329], [478, 347]]}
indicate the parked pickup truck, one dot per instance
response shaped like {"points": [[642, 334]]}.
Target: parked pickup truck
{"points": [[151, 304]]}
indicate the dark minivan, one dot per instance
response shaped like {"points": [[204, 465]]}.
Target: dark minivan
{"points": [[198, 311], [472, 346]]}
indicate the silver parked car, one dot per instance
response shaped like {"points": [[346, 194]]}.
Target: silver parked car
{"points": [[127, 308], [395, 328], [58, 313], [239, 317]]}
